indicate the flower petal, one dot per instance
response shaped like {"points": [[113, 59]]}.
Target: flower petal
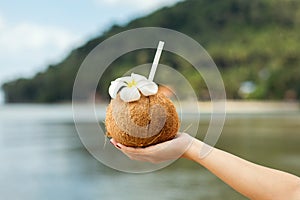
{"points": [[147, 88], [114, 88], [126, 79], [130, 94], [137, 77]]}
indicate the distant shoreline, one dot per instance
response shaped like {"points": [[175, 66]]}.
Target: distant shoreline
{"points": [[86, 112], [234, 106]]}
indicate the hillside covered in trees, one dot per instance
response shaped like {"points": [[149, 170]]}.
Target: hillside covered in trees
{"points": [[255, 44]]}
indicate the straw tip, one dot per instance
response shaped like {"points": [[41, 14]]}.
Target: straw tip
{"points": [[161, 44]]}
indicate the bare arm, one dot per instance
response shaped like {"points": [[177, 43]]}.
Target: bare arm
{"points": [[252, 180]]}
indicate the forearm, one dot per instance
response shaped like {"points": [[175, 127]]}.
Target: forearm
{"points": [[251, 180]]}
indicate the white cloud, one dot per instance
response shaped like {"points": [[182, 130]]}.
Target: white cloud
{"points": [[120, 11], [137, 4], [1, 22], [27, 36], [26, 48]]}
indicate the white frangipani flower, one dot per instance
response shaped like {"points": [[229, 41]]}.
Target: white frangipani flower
{"points": [[131, 86]]}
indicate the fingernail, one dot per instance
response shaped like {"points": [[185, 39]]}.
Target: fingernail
{"points": [[118, 146]]}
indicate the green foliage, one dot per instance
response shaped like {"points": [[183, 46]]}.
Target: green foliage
{"points": [[256, 41]]}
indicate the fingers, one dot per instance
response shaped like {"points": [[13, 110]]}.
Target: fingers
{"points": [[132, 153], [113, 141], [125, 149], [133, 150], [161, 152]]}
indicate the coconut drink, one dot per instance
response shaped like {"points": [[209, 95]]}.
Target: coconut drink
{"points": [[138, 114]]}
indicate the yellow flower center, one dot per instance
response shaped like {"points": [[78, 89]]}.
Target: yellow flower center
{"points": [[131, 84]]}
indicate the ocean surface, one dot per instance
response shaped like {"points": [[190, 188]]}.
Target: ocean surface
{"points": [[42, 157]]}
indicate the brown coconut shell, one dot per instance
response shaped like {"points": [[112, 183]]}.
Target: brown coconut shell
{"points": [[148, 121]]}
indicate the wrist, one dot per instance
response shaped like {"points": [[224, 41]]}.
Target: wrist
{"points": [[193, 151]]}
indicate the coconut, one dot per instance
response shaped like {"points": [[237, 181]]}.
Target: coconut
{"points": [[147, 121]]}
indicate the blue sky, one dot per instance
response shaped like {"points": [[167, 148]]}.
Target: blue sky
{"points": [[35, 33]]}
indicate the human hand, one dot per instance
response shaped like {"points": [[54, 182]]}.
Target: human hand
{"points": [[169, 150]]}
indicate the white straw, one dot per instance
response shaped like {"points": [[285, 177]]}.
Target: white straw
{"points": [[156, 59]]}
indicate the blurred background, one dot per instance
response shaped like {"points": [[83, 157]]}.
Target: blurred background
{"points": [[255, 44]]}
